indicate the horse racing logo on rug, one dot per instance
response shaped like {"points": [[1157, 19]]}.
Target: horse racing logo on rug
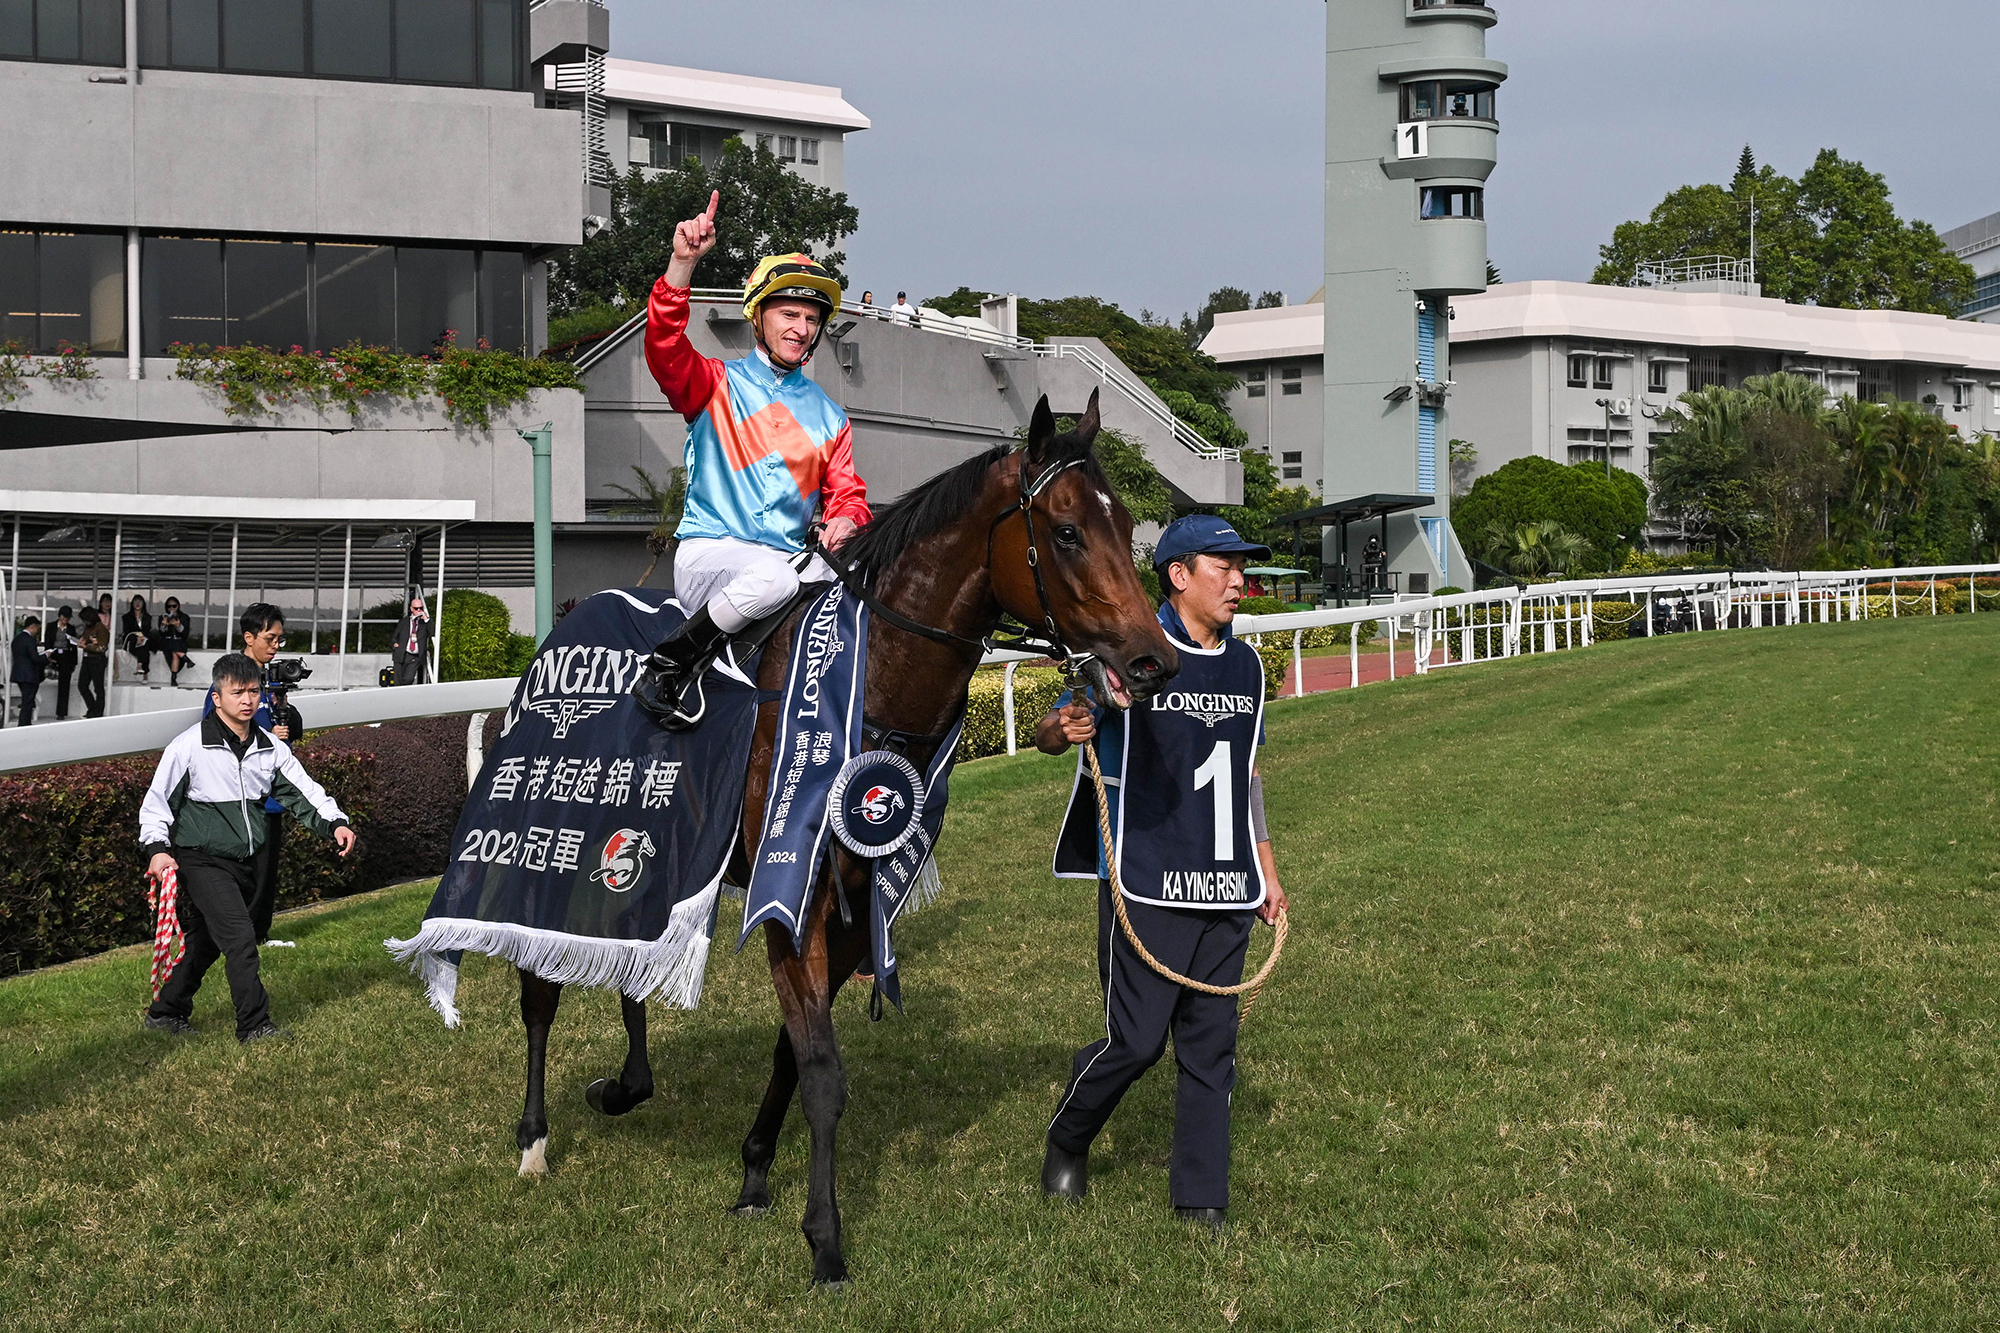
{"points": [[573, 683], [876, 802], [623, 859]]}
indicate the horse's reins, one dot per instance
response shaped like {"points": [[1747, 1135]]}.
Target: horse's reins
{"points": [[1072, 667]]}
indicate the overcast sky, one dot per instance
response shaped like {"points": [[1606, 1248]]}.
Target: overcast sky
{"points": [[1151, 152]]}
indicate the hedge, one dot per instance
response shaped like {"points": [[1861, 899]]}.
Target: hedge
{"points": [[477, 632], [71, 882]]}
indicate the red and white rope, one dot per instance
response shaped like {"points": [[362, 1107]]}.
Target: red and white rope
{"points": [[163, 895]]}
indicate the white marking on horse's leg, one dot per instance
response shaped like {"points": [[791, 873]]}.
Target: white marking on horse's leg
{"points": [[535, 1158]]}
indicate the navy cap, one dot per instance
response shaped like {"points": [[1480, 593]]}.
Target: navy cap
{"points": [[1203, 534]]}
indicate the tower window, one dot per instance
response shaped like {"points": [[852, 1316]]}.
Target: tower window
{"points": [[1448, 99], [1453, 201]]}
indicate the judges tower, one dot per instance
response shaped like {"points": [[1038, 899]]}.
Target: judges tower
{"points": [[1411, 136]]}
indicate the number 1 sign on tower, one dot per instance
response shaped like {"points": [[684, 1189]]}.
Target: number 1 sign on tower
{"points": [[1413, 139]]}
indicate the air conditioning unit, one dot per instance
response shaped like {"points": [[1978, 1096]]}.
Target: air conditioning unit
{"points": [[639, 151], [1621, 407]]}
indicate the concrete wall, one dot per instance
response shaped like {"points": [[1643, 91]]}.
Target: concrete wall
{"points": [[407, 450], [1279, 423], [233, 152], [621, 118]]}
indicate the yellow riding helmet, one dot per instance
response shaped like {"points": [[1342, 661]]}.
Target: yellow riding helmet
{"points": [[797, 277]]}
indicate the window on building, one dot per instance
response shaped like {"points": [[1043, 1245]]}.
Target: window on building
{"points": [[809, 151], [284, 293], [1448, 99], [1961, 393], [1876, 382], [62, 288], [84, 32], [1254, 382], [788, 148], [678, 141], [1290, 381], [1600, 372], [1579, 372], [767, 143], [1708, 370], [458, 42], [1453, 201], [1656, 377], [1985, 294]]}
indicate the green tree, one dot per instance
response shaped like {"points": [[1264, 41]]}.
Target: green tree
{"points": [[766, 209], [1607, 513], [1533, 549], [658, 500], [1829, 238]]}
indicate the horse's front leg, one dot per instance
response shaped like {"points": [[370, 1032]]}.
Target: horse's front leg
{"points": [[760, 1145], [538, 1011], [635, 1082]]}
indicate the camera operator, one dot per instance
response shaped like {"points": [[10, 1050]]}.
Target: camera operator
{"points": [[263, 627]]}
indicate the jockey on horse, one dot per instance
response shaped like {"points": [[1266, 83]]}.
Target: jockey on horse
{"points": [[765, 447]]}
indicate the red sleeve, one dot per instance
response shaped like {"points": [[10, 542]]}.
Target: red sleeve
{"points": [[842, 492], [686, 376]]}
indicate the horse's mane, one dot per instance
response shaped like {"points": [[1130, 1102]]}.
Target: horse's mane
{"points": [[935, 505], [920, 512]]}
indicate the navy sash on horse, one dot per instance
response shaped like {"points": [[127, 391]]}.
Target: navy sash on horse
{"points": [[591, 848], [1182, 828], [819, 727]]}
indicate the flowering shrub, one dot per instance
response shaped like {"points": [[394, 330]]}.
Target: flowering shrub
{"points": [[473, 382], [18, 365]]}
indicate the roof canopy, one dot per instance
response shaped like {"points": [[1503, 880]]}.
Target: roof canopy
{"points": [[729, 94], [1360, 507]]}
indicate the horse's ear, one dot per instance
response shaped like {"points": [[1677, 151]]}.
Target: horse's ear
{"points": [[1041, 429], [1086, 427]]}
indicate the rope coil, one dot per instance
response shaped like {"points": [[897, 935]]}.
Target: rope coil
{"points": [[1251, 988]]}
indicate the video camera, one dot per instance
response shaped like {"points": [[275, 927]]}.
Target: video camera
{"points": [[282, 675]]}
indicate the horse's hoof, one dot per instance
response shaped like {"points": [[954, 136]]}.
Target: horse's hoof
{"points": [[594, 1094], [535, 1159], [609, 1097], [750, 1209], [836, 1286]]}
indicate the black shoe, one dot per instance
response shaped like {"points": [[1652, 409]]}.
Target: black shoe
{"points": [[669, 688], [265, 1031], [1212, 1218], [180, 1027], [1065, 1175]]}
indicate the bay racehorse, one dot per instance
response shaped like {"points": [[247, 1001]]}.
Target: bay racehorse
{"points": [[1035, 533]]}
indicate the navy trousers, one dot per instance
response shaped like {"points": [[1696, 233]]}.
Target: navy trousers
{"points": [[215, 919], [1141, 1009]]}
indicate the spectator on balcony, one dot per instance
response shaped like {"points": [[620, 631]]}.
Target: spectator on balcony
{"points": [[60, 640], [868, 303], [135, 635], [171, 638], [902, 312], [95, 645], [28, 669]]}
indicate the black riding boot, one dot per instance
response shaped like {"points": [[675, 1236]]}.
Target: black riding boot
{"points": [[671, 680]]}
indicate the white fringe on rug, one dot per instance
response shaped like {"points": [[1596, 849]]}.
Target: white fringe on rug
{"points": [[669, 969]]}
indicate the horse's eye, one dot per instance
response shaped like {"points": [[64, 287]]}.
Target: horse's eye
{"points": [[1067, 534]]}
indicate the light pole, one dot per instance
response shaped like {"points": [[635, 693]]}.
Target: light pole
{"points": [[1605, 403], [545, 582]]}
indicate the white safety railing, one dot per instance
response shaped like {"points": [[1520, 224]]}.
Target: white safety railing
{"points": [[1461, 628], [72, 742]]}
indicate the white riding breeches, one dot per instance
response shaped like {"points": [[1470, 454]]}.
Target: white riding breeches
{"points": [[738, 581]]}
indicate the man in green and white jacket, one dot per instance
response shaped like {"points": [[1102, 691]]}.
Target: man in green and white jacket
{"points": [[204, 814]]}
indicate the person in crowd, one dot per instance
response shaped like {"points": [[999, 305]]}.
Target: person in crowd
{"points": [[135, 635], [412, 653], [1254, 587], [765, 447], [263, 628], [60, 640], [867, 300], [94, 645], [190, 822], [1191, 885], [1375, 564], [170, 636], [28, 669], [902, 312]]}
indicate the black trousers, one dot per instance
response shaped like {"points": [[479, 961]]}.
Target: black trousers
{"points": [[28, 693], [1141, 1008], [215, 918], [63, 675], [90, 683], [264, 900]]}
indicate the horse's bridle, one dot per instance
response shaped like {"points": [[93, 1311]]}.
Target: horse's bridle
{"points": [[1049, 645]]}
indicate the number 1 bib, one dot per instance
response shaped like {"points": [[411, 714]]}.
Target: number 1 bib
{"points": [[1183, 819]]}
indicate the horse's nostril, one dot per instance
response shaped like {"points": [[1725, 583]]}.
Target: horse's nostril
{"points": [[1146, 667]]}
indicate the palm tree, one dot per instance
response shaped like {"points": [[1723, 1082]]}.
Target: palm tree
{"points": [[1531, 549], [661, 501]]}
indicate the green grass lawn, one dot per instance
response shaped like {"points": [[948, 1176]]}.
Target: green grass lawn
{"points": [[1647, 986]]}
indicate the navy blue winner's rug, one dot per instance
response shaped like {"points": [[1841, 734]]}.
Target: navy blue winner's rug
{"points": [[591, 849]]}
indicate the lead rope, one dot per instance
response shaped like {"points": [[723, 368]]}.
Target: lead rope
{"points": [[1251, 988]]}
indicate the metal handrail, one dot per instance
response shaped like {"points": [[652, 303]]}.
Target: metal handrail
{"points": [[1184, 435]]}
